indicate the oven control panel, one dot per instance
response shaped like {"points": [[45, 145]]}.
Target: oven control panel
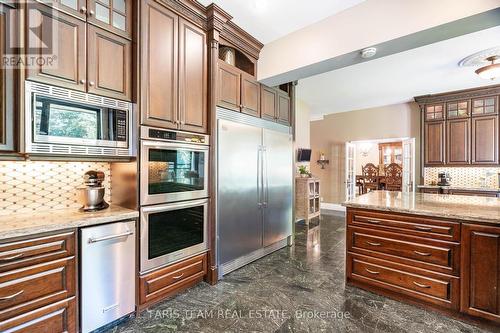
{"points": [[159, 134]]}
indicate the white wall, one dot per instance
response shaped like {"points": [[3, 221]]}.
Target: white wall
{"points": [[372, 157], [308, 50], [302, 129]]}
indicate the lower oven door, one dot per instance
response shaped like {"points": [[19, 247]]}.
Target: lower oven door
{"points": [[173, 172], [172, 232]]}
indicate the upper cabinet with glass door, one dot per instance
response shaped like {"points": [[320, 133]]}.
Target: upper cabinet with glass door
{"points": [[484, 106], [457, 109], [112, 15]]}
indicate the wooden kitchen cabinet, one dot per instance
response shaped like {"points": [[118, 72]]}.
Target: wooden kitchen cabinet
{"points": [[8, 80], [480, 292], [229, 95], [458, 141], [159, 66], [109, 64], [434, 141], [112, 15], [485, 140], [88, 58], [173, 70], [269, 101], [38, 283], [76, 8], [283, 115], [192, 78], [69, 68], [250, 95]]}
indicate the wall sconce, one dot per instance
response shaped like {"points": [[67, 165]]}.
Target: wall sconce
{"points": [[322, 160], [365, 148]]}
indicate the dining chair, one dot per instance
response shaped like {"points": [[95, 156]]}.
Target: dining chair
{"points": [[393, 177], [370, 178]]}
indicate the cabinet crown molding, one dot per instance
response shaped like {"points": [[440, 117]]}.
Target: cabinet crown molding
{"points": [[458, 95]]}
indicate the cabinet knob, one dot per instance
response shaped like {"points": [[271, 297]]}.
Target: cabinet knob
{"points": [[83, 10], [91, 83], [91, 13], [82, 81]]}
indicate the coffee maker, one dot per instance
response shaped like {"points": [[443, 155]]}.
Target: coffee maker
{"points": [[444, 179], [91, 194]]}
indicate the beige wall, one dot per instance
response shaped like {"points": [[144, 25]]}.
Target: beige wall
{"points": [[330, 135], [302, 128]]}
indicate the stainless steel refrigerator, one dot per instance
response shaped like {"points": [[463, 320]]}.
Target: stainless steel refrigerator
{"points": [[254, 189]]}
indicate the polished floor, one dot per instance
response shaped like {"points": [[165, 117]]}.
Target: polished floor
{"points": [[296, 289]]}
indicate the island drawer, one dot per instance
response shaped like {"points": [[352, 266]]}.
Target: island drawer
{"points": [[23, 253], [430, 254], [412, 225], [169, 280], [434, 288], [29, 288]]}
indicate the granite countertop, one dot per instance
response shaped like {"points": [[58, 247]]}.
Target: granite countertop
{"points": [[483, 189], [17, 225], [463, 208]]}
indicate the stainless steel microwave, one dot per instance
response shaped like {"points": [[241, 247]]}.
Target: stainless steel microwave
{"points": [[60, 121]]}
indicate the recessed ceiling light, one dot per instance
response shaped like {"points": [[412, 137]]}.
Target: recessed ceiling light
{"points": [[368, 52], [492, 71]]}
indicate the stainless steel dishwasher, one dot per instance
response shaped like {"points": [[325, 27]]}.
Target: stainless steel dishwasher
{"points": [[107, 273]]}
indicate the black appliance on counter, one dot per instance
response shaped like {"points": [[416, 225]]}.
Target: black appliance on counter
{"points": [[444, 179]]}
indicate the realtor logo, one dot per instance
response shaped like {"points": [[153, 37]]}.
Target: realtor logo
{"points": [[41, 42]]}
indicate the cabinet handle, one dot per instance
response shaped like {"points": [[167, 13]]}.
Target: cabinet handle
{"points": [[7, 298], [82, 81], [17, 256], [178, 276], [372, 272], [373, 244], [421, 285], [373, 221], [83, 10], [424, 254], [423, 228], [91, 13], [91, 83]]}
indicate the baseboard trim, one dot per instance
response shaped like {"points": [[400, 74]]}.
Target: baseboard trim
{"points": [[332, 206]]}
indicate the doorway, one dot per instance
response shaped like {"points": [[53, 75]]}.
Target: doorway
{"points": [[378, 155]]}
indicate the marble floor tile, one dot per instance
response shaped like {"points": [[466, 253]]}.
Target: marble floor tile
{"points": [[296, 289]]}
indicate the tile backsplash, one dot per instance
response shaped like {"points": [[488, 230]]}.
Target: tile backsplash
{"points": [[29, 186], [465, 176]]}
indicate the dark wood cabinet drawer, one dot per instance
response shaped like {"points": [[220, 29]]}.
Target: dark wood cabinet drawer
{"points": [[423, 285], [169, 280], [55, 318], [29, 288], [411, 225], [14, 255], [434, 255]]}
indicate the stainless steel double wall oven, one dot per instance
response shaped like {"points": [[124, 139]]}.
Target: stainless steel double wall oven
{"points": [[173, 196]]}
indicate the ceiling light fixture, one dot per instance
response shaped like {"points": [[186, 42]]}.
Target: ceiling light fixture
{"points": [[368, 52], [491, 71]]}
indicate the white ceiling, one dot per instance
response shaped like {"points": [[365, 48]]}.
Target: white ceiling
{"points": [[399, 77], [268, 20]]}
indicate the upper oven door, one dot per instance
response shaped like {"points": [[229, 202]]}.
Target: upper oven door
{"points": [[60, 121], [173, 172]]}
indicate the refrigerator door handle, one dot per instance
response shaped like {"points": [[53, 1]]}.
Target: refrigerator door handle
{"points": [[259, 177], [265, 182]]}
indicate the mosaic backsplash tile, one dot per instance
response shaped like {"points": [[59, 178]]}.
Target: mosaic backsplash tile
{"points": [[466, 177], [29, 186]]}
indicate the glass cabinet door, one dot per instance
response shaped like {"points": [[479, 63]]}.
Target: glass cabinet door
{"points": [[112, 15]]}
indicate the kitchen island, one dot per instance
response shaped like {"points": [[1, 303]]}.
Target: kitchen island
{"points": [[433, 249]]}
